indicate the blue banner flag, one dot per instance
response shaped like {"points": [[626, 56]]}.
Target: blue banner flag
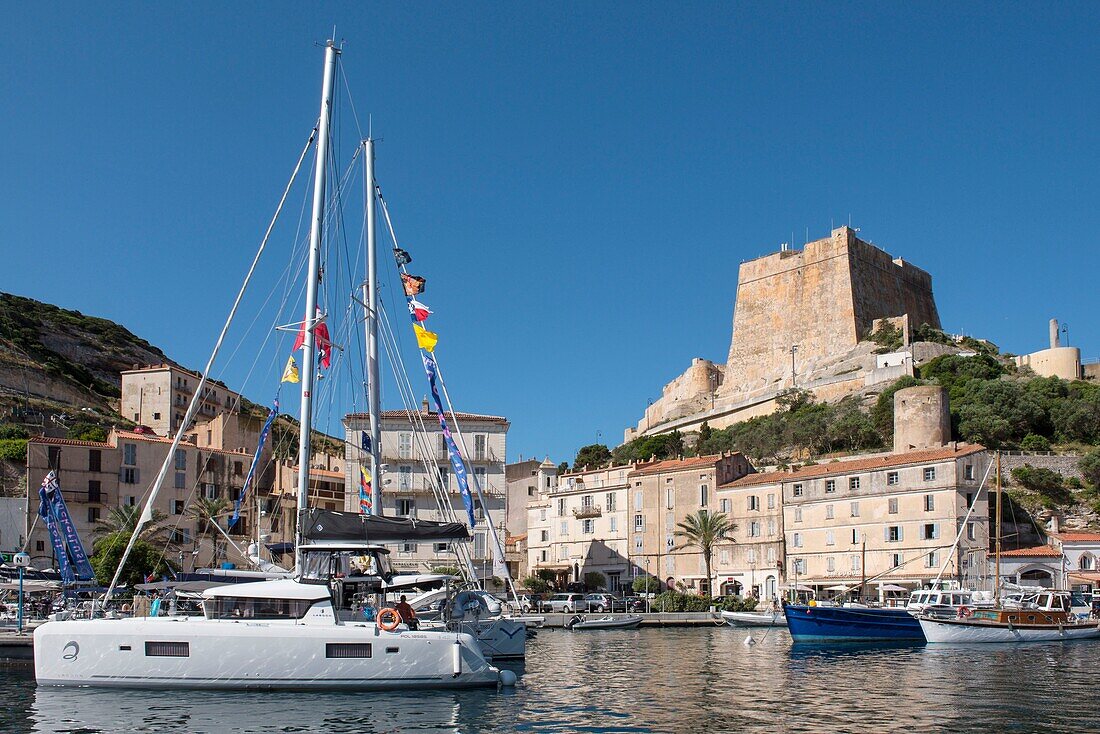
{"points": [[452, 450], [72, 560], [271, 416], [364, 441]]}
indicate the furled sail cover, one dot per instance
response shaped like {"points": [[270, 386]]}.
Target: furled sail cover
{"points": [[318, 525]]}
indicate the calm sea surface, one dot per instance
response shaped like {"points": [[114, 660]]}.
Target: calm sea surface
{"points": [[675, 680]]}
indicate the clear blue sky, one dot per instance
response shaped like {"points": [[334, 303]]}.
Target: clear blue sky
{"points": [[577, 181]]}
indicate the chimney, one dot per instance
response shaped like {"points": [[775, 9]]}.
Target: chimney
{"points": [[1055, 340], [424, 405]]}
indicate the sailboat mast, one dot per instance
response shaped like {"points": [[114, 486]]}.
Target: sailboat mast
{"points": [[371, 299], [997, 561], [316, 231]]}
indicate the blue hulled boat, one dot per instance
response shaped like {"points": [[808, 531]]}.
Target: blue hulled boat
{"points": [[851, 624]]}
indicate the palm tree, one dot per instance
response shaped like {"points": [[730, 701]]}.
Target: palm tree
{"points": [[206, 513], [705, 530], [125, 518]]}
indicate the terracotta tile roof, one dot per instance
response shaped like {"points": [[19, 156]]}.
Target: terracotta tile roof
{"points": [[429, 414], [69, 442], [922, 456], [153, 438], [1044, 551], [1078, 537], [671, 465]]}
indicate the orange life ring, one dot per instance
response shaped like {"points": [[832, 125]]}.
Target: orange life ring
{"points": [[393, 614], [964, 612]]}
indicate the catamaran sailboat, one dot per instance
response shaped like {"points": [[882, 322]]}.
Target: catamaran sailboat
{"points": [[283, 633]]}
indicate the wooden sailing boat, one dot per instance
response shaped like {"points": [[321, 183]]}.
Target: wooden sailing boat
{"points": [[1042, 617]]}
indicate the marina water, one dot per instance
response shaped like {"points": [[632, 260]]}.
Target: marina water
{"points": [[648, 680]]}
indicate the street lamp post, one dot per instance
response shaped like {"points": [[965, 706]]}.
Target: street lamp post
{"points": [[647, 578], [1065, 330], [794, 379], [21, 560]]}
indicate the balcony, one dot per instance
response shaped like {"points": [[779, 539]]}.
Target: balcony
{"points": [[582, 513]]}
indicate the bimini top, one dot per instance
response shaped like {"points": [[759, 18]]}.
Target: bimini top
{"points": [[277, 589], [328, 525]]}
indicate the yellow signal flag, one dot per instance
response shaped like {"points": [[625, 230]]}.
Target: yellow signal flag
{"points": [[290, 374], [426, 339]]}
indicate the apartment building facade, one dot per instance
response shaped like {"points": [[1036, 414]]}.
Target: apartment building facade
{"points": [[662, 494], [890, 518], [524, 481], [751, 564], [157, 396], [578, 525], [415, 462]]}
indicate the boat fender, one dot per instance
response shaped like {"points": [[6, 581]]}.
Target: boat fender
{"points": [[456, 658], [507, 678], [964, 612], [388, 619]]}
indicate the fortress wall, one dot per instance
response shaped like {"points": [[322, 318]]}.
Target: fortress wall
{"points": [[883, 287], [787, 298]]}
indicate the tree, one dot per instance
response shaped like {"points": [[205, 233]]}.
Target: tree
{"points": [[1048, 483], [645, 585], [1034, 442], [447, 570], [1089, 467], [125, 518], [705, 530], [563, 468], [84, 431], [593, 455], [206, 513], [882, 415], [144, 560], [536, 585], [594, 580]]}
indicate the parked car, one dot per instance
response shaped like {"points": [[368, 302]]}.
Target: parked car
{"points": [[565, 603], [604, 603], [633, 604], [527, 603]]}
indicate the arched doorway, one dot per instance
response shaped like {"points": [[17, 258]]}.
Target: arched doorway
{"points": [[1036, 577], [770, 590], [731, 588]]}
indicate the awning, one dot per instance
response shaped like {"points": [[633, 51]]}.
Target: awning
{"points": [[280, 547], [323, 525]]}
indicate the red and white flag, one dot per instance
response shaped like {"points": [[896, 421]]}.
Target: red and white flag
{"points": [[322, 342], [419, 311]]}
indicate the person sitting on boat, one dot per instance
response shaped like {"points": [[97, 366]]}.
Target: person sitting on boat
{"points": [[408, 615]]}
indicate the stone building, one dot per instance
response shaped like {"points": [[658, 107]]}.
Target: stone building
{"points": [[1056, 360], [415, 462], [800, 320], [524, 481], [1081, 551], [578, 525], [662, 494], [157, 396], [96, 477], [752, 564]]}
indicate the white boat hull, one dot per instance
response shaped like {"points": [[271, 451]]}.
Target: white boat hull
{"points": [[499, 639], [607, 623], [755, 619], [225, 654], [965, 631]]}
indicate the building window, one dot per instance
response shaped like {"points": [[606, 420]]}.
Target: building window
{"points": [[210, 491], [702, 495], [544, 535], [445, 481], [796, 490], [411, 547], [481, 441], [751, 555], [893, 533], [405, 478], [930, 561], [637, 544], [830, 485], [181, 480], [853, 483], [131, 501], [754, 502], [853, 563], [969, 499], [586, 502], [561, 507], [830, 564], [930, 531], [588, 527], [177, 507], [798, 566], [609, 502], [93, 514], [771, 501], [129, 454], [771, 555], [542, 514], [1085, 562], [181, 459], [406, 507], [968, 472], [828, 512], [754, 529], [444, 547], [543, 556], [95, 460], [724, 557], [771, 528], [970, 534], [796, 540], [129, 475], [639, 522], [892, 505], [855, 536], [670, 495], [723, 505], [238, 468], [637, 500], [798, 514], [929, 502], [95, 493], [855, 509], [404, 445], [895, 560], [40, 545], [563, 529], [614, 524], [929, 473], [892, 478]]}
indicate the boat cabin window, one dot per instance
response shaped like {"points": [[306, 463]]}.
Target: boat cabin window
{"points": [[232, 607], [322, 565]]}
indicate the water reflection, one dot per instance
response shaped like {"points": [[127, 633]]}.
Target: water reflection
{"points": [[673, 680]]}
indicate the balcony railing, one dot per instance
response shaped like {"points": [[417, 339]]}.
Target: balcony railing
{"points": [[584, 512]]}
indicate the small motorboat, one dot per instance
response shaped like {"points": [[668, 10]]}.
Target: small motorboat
{"points": [[755, 619], [604, 623]]}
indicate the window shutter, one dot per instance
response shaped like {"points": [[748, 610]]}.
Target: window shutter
{"points": [[137, 475], [901, 532], [936, 531], [886, 533]]}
